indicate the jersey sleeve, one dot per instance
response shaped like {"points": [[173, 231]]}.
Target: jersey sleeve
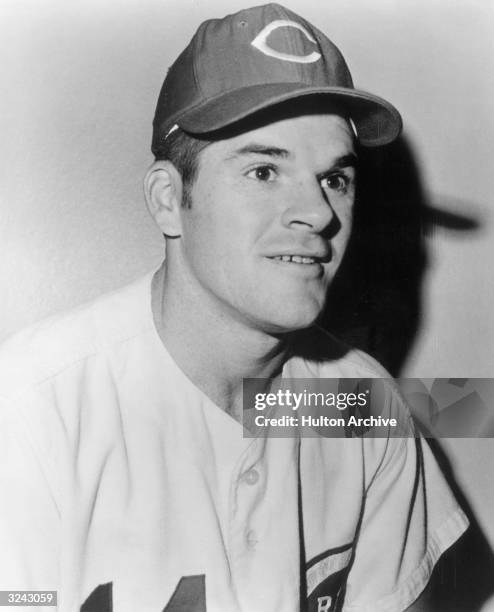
{"points": [[410, 518]]}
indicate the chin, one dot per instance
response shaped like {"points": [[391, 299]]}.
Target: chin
{"points": [[292, 319]]}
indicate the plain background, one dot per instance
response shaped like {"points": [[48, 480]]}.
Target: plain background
{"points": [[79, 85]]}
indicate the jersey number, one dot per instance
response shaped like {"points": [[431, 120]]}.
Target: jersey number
{"points": [[189, 596]]}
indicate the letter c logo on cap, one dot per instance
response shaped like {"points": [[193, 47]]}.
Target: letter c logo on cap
{"points": [[260, 42]]}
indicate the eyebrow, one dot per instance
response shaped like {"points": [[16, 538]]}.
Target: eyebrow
{"points": [[259, 149], [344, 161]]}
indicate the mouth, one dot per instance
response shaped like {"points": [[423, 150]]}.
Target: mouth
{"points": [[297, 259], [304, 266], [304, 258]]}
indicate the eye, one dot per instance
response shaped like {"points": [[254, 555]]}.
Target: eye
{"points": [[336, 182], [262, 173]]}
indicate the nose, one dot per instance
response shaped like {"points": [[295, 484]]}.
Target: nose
{"points": [[309, 209]]}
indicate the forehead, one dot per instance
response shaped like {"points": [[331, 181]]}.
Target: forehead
{"points": [[315, 138]]}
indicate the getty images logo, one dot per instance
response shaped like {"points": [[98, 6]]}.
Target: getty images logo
{"points": [[260, 42]]}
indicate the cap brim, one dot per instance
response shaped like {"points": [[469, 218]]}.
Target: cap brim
{"points": [[377, 121]]}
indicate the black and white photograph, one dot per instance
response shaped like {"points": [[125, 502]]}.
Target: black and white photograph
{"points": [[246, 295]]}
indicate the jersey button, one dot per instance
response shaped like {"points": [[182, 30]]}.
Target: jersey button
{"points": [[251, 477], [251, 539]]}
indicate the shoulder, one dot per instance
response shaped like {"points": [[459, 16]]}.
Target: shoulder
{"points": [[381, 417], [55, 377], [46, 349]]}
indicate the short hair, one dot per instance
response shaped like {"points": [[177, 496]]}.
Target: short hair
{"points": [[182, 150]]}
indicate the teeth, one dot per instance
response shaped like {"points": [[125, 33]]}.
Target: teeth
{"points": [[295, 259]]}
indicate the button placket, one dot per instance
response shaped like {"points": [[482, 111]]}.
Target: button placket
{"points": [[248, 476], [249, 482]]}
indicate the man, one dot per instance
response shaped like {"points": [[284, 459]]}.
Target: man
{"points": [[128, 483]]}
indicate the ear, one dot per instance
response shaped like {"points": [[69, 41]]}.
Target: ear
{"points": [[163, 191]]}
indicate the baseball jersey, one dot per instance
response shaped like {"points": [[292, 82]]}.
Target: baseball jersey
{"points": [[125, 488]]}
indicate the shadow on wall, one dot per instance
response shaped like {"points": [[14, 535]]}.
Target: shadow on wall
{"points": [[375, 301], [375, 305]]}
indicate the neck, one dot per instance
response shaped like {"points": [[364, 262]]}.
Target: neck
{"points": [[216, 351]]}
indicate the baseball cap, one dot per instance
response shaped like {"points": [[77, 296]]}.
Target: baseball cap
{"points": [[254, 59]]}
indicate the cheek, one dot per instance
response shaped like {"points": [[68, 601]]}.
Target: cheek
{"points": [[215, 246], [345, 217], [197, 239], [226, 226]]}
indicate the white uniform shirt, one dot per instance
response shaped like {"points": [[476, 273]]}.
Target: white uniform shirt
{"points": [[125, 488]]}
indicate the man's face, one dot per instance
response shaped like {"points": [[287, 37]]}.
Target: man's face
{"points": [[270, 220]]}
